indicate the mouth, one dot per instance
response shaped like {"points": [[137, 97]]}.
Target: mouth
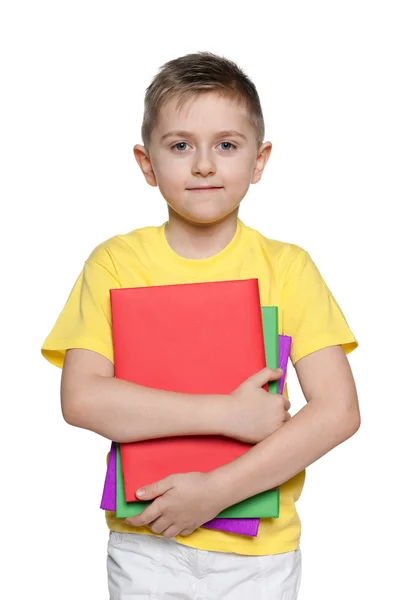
{"points": [[204, 189]]}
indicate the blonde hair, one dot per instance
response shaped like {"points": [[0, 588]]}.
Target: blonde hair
{"points": [[199, 73]]}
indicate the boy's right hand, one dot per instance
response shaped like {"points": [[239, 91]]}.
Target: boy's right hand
{"points": [[254, 413]]}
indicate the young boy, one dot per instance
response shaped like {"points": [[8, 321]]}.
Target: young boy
{"points": [[203, 133]]}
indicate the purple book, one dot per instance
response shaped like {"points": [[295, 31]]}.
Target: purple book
{"points": [[247, 527]]}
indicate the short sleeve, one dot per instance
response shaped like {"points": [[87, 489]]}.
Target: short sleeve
{"points": [[85, 321], [311, 315]]}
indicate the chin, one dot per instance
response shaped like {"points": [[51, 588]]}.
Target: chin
{"points": [[205, 219], [204, 215]]}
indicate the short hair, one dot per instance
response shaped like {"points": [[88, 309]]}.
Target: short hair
{"points": [[193, 74]]}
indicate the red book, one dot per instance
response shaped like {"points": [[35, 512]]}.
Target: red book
{"points": [[199, 338]]}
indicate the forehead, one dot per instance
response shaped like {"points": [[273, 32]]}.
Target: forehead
{"points": [[206, 111]]}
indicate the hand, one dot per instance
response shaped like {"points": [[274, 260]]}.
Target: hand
{"points": [[182, 503], [254, 413]]}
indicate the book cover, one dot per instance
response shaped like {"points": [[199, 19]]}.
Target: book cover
{"points": [[189, 346]]}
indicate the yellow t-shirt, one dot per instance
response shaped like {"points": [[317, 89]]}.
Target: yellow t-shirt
{"points": [[288, 278]]}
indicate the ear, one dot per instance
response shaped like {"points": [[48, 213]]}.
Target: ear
{"points": [[144, 162], [262, 159]]}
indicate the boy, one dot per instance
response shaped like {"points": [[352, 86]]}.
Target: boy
{"points": [[203, 134]]}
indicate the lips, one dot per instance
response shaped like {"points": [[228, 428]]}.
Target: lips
{"points": [[203, 188]]}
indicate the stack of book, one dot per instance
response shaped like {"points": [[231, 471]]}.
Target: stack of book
{"points": [[196, 338]]}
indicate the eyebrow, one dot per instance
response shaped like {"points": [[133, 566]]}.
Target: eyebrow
{"points": [[187, 134]]}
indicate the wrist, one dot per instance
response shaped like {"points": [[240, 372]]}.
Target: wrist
{"points": [[220, 487], [214, 415]]}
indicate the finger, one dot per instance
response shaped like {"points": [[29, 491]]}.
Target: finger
{"points": [[287, 416], [159, 525], [186, 532], [151, 491], [151, 513], [171, 532], [262, 377]]}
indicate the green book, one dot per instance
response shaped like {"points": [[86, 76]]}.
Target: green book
{"points": [[269, 316], [263, 505]]}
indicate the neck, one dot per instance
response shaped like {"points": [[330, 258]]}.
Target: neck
{"points": [[197, 241]]}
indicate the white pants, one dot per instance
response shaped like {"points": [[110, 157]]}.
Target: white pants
{"points": [[148, 567]]}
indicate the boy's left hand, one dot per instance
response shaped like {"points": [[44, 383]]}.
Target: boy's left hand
{"points": [[183, 502]]}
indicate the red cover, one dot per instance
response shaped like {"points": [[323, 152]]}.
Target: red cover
{"points": [[200, 338]]}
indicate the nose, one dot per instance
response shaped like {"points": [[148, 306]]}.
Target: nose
{"points": [[203, 164]]}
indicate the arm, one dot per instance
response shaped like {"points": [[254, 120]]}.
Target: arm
{"points": [[92, 398], [183, 502], [330, 416]]}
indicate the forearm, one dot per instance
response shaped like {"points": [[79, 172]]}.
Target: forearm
{"points": [[126, 412], [310, 434]]}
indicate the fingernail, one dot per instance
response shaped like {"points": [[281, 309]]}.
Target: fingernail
{"points": [[140, 493]]}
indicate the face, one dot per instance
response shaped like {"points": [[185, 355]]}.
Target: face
{"points": [[203, 157]]}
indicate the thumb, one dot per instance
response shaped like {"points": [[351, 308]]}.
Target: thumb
{"points": [[262, 377], [151, 491]]}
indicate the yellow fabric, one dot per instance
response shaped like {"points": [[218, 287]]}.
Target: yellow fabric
{"points": [[288, 278]]}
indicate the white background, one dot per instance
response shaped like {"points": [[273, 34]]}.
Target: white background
{"points": [[73, 77]]}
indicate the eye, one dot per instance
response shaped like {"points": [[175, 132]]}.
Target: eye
{"points": [[180, 147], [227, 146]]}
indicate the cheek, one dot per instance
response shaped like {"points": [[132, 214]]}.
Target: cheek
{"points": [[238, 173], [171, 174]]}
